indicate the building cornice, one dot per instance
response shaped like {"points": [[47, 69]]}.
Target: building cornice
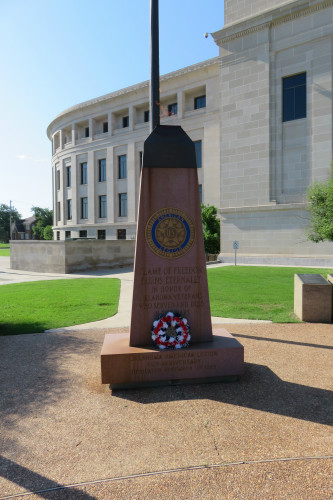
{"points": [[264, 208], [127, 90], [269, 18]]}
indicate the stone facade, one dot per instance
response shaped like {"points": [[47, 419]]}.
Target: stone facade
{"points": [[268, 161], [101, 131]]}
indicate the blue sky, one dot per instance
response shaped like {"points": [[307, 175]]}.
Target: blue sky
{"points": [[57, 53]]}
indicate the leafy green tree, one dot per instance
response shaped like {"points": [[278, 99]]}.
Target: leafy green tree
{"points": [[320, 196], [5, 219], [48, 233], [44, 217], [211, 228]]}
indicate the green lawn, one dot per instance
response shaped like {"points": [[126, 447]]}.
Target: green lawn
{"points": [[41, 305], [4, 249], [255, 292]]}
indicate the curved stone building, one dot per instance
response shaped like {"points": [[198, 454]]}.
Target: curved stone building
{"points": [[97, 151]]}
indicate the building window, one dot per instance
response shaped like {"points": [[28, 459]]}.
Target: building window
{"points": [[125, 121], [84, 174], [58, 179], [200, 193], [105, 127], [69, 209], [67, 235], [26, 236], [69, 176], [140, 159], [58, 211], [294, 97], [84, 208], [121, 234], [122, 167], [102, 170], [27, 227], [200, 102], [123, 205], [83, 233], [58, 235], [86, 132], [172, 109], [102, 206], [101, 234], [198, 153], [146, 116]]}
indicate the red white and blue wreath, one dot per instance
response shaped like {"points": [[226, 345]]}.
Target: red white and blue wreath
{"points": [[171, 331]]}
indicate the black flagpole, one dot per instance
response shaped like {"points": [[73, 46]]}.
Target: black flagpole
{"points": [[154, 67]]}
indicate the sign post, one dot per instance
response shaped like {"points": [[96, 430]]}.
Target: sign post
{"points": [[235, 245]]}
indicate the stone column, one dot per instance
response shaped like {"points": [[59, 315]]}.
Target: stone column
{"points": [[180, 105], [75, 207]]}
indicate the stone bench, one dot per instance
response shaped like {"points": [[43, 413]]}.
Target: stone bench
{"points": [[312, 298]]}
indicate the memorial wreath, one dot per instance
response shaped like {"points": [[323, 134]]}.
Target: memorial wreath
{"points": [[170, 331]]}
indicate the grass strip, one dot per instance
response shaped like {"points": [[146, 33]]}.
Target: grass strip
{"points": [[42, 305], [255, 292]]}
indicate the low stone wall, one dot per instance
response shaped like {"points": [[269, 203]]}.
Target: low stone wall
{"points": [[70, 256]]}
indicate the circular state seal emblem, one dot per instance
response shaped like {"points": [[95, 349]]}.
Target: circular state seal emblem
{"points": [[170, 233]]}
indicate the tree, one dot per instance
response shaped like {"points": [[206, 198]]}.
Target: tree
{"points": [[5, 211], [211, 228], [48, 233], [44, 217], [320, 196]]}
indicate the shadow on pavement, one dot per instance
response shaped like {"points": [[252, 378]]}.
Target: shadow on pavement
{"points": [[259, 389], [32, 376], [31, 481], [281, 341]]}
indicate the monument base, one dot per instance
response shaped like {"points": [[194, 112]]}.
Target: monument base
{"points": [[124, 366]]}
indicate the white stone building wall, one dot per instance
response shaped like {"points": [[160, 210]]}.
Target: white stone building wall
{"points": [[267, 164]]}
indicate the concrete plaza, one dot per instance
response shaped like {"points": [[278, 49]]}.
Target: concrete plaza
{"points": [[267, 436]]}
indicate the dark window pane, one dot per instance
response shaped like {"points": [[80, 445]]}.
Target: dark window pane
{"points": [[198, 153], [101, 234], [105, 127], [102, 170], [294, 97], [200, 102], [122, 164], [123, 204], [172, 109], [121, 234], [300, 102], [288, 105], [294, 81]]}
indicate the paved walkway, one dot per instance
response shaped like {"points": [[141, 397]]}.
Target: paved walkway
{"points": [[266, 437]]}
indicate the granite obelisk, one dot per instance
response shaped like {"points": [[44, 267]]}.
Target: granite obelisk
{"points": [[170, 279]]}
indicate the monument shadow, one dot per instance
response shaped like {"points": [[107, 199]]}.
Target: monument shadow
{"points": [[258, 389]]}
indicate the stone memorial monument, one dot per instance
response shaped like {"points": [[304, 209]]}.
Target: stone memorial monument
{"points": [[171, 337]]}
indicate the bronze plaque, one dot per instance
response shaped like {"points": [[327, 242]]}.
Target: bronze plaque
{"points": [[170, 233]]}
